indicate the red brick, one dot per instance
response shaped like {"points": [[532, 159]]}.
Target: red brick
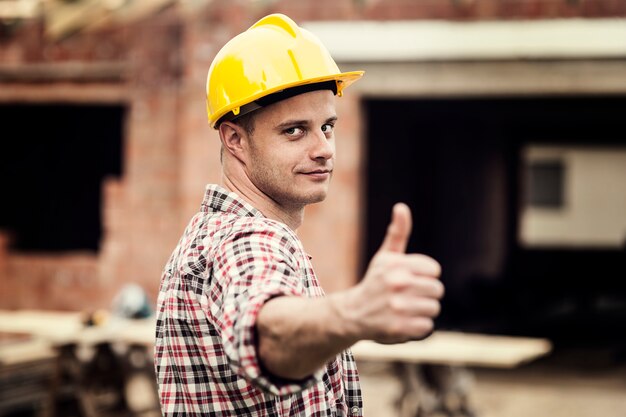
{"points": [[171, 153]]}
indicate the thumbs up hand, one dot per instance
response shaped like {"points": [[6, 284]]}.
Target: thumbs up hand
{"points": [[398, 298], [399, 230]]}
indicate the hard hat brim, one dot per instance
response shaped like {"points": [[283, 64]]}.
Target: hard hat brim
{"points": [[343, 80]]}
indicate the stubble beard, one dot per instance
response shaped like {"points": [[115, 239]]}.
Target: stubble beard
{"points": [[283, 189]]}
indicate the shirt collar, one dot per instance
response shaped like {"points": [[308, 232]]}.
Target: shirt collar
{"points": [[219, 199]]}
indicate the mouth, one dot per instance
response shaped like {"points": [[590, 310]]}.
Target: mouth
{"points": [[318, 174]]}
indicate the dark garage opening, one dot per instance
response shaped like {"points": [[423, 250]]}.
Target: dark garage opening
{"points": [[458, 164], [54, 159]]}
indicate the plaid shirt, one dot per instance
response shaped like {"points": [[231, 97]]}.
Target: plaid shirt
{"points": [[229, 262]]}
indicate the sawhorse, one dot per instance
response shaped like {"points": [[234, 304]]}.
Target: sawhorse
{"points": [[434, 372]]}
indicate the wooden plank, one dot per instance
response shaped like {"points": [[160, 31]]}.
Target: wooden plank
{"points": [[78, 72], [12, 354], [53, 326], [138, 332], [446, 348], [19, 9], [65, 18], [65, 92], [67, 327], [455, 348]]}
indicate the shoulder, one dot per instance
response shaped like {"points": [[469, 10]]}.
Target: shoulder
{"points": [[261, 233]]}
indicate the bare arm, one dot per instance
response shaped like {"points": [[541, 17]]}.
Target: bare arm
{"points": [[396, 301], [299, 335]]}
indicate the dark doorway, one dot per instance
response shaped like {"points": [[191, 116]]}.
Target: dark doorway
{"points": [[54, 158], [457, 163]]}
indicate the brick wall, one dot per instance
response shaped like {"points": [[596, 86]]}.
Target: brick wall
{"points": [[448, 9], [170, 152], [141, 209]]}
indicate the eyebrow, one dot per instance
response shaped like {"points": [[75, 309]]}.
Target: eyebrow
{"points": [[295, 122]]}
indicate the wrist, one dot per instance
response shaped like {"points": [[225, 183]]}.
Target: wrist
{"points": [[343, 318]]}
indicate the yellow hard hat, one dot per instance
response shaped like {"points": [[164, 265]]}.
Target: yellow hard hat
{"points": [[273, 55]]}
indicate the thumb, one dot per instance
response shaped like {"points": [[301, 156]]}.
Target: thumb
{"points": [[399, 230]]}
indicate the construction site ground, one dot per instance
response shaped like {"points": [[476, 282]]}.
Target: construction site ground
{"points": [[568, 383]]}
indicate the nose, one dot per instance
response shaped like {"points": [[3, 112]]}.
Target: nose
{"points": [[323, 148]]}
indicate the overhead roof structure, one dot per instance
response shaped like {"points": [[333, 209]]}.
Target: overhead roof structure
{"points": [[387, 41], [64, 18]]}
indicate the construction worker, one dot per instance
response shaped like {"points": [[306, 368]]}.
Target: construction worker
{"points": [[244, 328]]}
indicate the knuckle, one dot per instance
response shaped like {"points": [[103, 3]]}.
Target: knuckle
{"points": [[423, 327], [395, 280], [436, 289], [435, 308], [436, 267], [427, 265], [389, 283], [397, 329], [429, 308], [397, 306]]}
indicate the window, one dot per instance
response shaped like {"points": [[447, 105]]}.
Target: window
{"points": [[545, 184], [52, 163], [575, 196]]}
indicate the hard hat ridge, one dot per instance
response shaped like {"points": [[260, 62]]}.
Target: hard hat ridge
{"points": [[279, 21]]}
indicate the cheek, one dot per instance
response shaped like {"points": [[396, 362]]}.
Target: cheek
{"points": [[270, 168]]}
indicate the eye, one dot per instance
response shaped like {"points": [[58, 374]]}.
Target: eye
{"points": [[294, 132], [328, 128]]}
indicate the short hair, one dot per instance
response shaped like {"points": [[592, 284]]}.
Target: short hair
{"points": [[246, 121]]}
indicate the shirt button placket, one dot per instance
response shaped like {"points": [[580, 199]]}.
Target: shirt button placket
{"points": [[355, 411]]}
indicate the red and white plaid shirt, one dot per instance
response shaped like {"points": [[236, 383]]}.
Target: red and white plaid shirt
{"points": [[230, 260]]}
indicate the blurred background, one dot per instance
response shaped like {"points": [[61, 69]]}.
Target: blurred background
{"points": [[500, 122]]}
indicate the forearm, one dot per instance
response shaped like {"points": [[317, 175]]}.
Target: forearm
{"points": [[396, 301], [297, 336]]}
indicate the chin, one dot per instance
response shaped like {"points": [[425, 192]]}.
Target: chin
{"points": [[317, 197]]}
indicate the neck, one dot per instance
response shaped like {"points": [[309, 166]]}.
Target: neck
{"points": [[291, 216]]}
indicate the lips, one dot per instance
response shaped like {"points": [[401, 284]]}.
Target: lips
{"points": [[319, 174]]}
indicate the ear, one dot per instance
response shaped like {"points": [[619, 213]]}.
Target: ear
{"points": [[234, 140]]}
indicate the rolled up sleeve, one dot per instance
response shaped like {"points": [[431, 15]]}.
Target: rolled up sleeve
{"points": [[254, 266]]}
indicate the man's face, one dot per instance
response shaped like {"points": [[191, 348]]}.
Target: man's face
{"points": [[292, 149]]}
